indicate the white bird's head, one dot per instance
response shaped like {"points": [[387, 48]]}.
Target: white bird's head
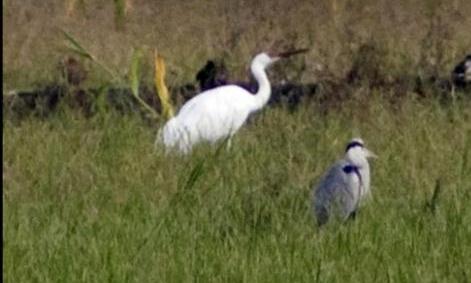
{"points": [[357, 153], [266, 59]]}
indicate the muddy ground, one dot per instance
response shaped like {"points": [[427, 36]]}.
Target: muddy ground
{"points": [[328, 91]]}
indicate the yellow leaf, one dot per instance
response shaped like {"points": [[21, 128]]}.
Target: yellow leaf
{"points": [[161, 88]]}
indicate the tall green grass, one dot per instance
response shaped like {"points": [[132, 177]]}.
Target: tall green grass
{"points": [[90, 200]]}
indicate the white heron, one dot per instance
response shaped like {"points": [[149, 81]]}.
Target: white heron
{"points": [[219, 113], [345, 185]]}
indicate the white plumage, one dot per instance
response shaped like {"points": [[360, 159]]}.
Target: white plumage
{"points": [[218, 113], [345, 185]]}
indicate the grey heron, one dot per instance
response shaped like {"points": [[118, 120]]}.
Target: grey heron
{"points": [[345, 184]]}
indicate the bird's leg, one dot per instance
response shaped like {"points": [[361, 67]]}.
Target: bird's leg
{"points": [[229, 143], [322, 216], [352, 215]]}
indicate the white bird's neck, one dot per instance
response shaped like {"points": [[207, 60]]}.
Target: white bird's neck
{"points": [[264, 87]]}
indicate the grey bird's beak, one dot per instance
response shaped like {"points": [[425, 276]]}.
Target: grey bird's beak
{"points": [[370, 154]]}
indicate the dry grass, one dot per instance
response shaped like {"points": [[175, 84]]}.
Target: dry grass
{"points": [[187, 33]]}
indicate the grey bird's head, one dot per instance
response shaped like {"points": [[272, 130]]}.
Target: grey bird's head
{"points": [[357, 153]]}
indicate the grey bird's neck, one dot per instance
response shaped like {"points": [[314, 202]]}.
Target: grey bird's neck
{"points": [[363, 169]]}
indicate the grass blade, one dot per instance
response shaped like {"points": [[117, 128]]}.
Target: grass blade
{"points": [[134, 82], [134, 72], [120, 13], [78, 49], [432, 204]]}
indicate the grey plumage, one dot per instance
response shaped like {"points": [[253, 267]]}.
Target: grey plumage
{"points": [[344, 186]]}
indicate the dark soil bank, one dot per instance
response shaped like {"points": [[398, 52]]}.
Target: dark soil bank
{"points": [[43, 102]]}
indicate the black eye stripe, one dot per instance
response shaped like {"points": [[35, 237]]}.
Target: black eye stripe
{"points": [[353, 144], [348, 169]]}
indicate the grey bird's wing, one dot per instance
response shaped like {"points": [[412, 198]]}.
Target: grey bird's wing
{"points": [[336, 193]]}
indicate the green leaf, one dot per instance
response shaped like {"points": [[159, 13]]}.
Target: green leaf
{"points": [[134, 72]]}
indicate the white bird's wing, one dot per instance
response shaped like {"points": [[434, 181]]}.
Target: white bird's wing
{"points": [[210, 116], [215, 113], [217, 98]]}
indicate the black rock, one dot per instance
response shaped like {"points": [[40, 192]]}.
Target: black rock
{"points": [[292, 94], [212, 75], [461, 74]]}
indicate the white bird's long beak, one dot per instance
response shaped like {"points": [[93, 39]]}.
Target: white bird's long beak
{"points": [[369, 153], [290, 53], [275, 59]]}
